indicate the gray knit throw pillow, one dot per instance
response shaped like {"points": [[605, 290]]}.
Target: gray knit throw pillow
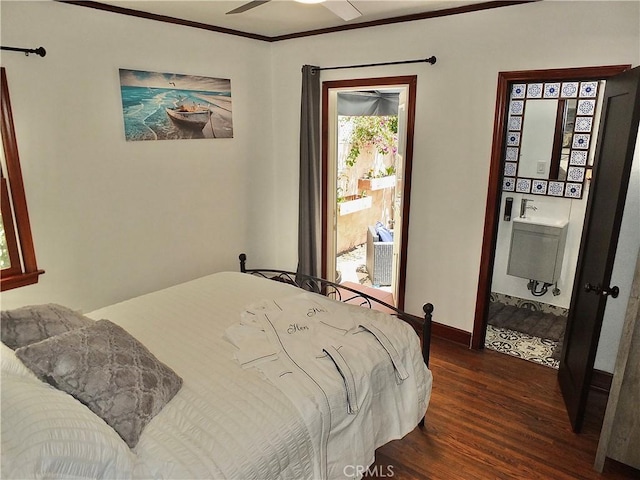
{"points": [[109, 371], [31, 324]]}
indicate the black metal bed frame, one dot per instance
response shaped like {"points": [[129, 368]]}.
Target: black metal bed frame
{"points": [[343, 293]]}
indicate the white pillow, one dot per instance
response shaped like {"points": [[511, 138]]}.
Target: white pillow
{"points": [[12, 365], [49, 434]]}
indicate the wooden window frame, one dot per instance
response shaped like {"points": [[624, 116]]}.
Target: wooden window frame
{"points": [[15, 216]]}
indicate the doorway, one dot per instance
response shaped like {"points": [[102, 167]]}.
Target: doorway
{"points": [[568, 203], [506, 296], [550, 146], [367, 152]]}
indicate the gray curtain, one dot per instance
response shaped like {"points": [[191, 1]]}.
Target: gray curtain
{"points": [[310, 201]]}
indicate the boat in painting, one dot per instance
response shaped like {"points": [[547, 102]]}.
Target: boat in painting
{"points": [[189, 116]]}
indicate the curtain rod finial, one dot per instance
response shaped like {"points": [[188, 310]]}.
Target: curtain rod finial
{"points": [[431, 60], [38, 51]]}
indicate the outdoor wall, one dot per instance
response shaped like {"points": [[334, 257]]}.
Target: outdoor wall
{"points": [[454, 122], [113, 219], [352, 227]]}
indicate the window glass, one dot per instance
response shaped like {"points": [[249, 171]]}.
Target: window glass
{"points": [[5, 261]]}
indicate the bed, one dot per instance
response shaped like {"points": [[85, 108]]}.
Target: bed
{"points": [[236, 407]]}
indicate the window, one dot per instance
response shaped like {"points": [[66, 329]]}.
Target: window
{"points": [[17, 255]]}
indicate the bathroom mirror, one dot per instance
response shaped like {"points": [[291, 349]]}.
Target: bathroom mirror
{"points": [[568, 110], [538, 132], [548, 144]]}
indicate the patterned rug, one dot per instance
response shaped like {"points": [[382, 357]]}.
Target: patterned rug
{"points": [[529, 319], [521, 345]]}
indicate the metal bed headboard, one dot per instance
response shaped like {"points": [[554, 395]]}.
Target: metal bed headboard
{"points": [[343, 293]]}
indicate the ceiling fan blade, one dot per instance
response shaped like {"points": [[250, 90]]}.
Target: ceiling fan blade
{"points": [[342, 8], [247, 6]]}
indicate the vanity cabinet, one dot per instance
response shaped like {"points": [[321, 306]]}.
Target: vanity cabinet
{"points": [[620, 434], [537, 249]]}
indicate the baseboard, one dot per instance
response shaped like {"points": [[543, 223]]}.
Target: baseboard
{"points": [[601, 381], [450, 333]]}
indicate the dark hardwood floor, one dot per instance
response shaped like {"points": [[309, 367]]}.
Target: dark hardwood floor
{"points": [[493, 416]]}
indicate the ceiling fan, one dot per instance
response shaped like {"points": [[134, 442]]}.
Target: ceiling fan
{"points": [[342, 8]]}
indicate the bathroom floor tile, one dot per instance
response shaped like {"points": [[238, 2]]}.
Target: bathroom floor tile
{"points": [[521, 345]]}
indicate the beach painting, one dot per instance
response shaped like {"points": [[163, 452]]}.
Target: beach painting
{"points": [[170, 106]]}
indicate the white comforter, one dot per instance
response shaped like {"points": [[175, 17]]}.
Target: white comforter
{"points": [[226, 421]]}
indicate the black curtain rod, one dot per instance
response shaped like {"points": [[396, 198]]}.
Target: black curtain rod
{"points": [[38, 51], [430, 60]]}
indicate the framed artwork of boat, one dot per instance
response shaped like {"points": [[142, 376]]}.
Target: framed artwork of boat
{"points": [[170, 106]]}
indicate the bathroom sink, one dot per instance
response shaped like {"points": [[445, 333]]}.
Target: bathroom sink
{"points": [[545, 222]]}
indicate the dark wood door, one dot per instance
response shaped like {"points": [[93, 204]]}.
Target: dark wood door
{"points": [[613, 158]]}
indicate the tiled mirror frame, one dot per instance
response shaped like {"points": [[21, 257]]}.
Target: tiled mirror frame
{"points": [[586, 95], [496, 170]]}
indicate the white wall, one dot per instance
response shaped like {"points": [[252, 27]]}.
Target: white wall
{"points": [[623, 271], [113, 219], [454, 120]]}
